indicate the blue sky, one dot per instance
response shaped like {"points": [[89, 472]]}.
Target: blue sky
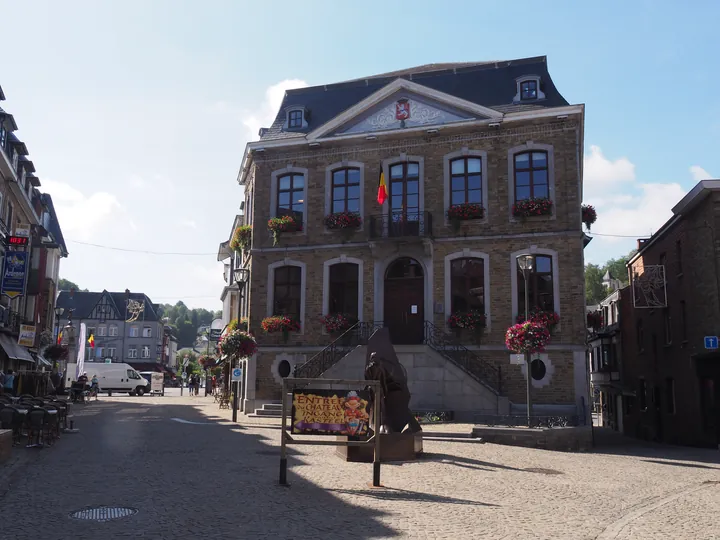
{"points": [[136, 113]]}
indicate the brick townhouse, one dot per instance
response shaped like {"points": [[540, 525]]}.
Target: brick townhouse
{"points": [[671, 377], [491, 134]]}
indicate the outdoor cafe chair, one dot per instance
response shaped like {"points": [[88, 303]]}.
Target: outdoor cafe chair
{"points": [[36, 425], [10, 418]]}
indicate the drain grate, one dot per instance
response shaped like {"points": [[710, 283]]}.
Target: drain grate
{"points": [[103, 513], [543, 471]]}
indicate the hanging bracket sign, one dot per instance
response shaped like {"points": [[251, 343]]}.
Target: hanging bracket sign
{"points": [[14, 274]]}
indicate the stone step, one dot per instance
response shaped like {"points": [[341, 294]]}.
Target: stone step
{"points": [[266, 413], [272, 407]]}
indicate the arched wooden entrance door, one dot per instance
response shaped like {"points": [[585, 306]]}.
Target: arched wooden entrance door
{"points": [[404, 301]]}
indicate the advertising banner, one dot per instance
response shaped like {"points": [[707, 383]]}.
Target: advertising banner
{"points": [[330, 412], [156, 383], [14, 273], [27, 335]]}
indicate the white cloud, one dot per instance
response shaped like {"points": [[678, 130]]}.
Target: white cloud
{"points": [[81, 215], [189, 223], [266, 113], [625, 207], [699, 173]]}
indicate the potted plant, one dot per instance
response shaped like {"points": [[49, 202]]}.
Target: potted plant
{"points": [[457, 213], [206, 361], [589, 215], [527, 337], [472, 320], [280, 323], [241, 238], [537, 206], [283, 224], [336, 324], [549, 319], [343, 220], [238, 344], [595, 320]]}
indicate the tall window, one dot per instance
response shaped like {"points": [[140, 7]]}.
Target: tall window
{"points": [[668, 326], [146, 351], [111, 351], [528, 90], [102, 330], [467, 285], [132, 352], [99, 352], [286, 291], [405, 190], [344, 289], [134, 331], [346, 190], [466, 180], [642, 395], [531, 175], [678, 256], [290, 201], [540, 281], [147, 331], [683, 320], [670, 395], [113, 330]]}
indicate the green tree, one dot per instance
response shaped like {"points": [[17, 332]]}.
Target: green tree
{"points": [[594, 288], [66, 285]]}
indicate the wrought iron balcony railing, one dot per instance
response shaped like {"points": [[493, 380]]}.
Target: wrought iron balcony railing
{"points": [[401, 225]]}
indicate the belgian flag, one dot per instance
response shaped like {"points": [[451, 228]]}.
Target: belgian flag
{"points": [[91, 341], [382, 187]]}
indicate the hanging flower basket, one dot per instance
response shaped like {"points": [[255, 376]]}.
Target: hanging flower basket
{"points": [[238, 344], [589, 215], [280, 323], [343, 220], [527, 337], [464, 212], [549, 319], [241, 238], [595, 320], [283, 224], [467, 320], [206, 361], [533, 207]]}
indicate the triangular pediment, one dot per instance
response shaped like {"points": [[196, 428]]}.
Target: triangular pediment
{"points": [[400, 105]]}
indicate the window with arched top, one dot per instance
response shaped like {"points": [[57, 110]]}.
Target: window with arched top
{"points": [[531, 175], [345, 190], [467, 285], [287, 291], [344, 281], [404, 268], [541, 293]]}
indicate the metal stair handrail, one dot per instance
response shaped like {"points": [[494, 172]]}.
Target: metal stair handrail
{"points": [[357, 334], [454, 351]]}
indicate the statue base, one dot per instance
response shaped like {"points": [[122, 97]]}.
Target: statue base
{"points": [[405, 446]]}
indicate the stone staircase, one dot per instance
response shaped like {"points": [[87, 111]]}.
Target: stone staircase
{"points": [[268, 410]]}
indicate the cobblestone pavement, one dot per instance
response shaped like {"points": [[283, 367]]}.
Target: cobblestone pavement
{"points": [[193, 474]]}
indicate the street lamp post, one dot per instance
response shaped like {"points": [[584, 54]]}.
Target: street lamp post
{"points": [[526, 265], [241, 278], [58, 313]]}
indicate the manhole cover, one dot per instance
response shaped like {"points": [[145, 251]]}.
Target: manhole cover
{"points": [[543, 471], [103, 513]]}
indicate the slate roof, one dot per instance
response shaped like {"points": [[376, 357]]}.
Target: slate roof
{"points": [[55, 230], [82, 304], [490, 84]]}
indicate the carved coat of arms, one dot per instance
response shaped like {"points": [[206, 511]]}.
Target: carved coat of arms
{"points": [[402, 109]]}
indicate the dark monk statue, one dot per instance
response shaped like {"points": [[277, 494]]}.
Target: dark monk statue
{"points": [[383, 365]]}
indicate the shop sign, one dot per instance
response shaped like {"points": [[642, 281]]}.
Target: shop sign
{"points": [[330, 412], [22, 230], [27, 335], [14, 273]]}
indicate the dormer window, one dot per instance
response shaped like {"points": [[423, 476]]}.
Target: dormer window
{"points": [[295, 119], [528, 89]]}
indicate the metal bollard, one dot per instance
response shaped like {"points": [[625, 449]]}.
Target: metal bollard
{"points": [[72, 424]]}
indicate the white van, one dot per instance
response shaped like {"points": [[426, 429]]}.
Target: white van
{"points": [[117, 378]]}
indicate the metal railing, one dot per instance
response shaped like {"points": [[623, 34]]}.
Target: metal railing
{"points": [[454, 351], [356, 335], [401, 225], [521, 420]]}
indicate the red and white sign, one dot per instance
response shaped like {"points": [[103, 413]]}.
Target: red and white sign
{"points": [[402, 109]]}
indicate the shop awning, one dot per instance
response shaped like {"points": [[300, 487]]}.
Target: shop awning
{"points": [[42, 361], [13, 350]]}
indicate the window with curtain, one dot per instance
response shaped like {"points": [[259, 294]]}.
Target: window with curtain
{"points": [[343, 289], [531, 175], [540, 285], [286, 291], [345, 190], [290, 198], [467, 285]]}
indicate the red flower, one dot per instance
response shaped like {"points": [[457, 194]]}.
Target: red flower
{"points": [[546, 318], [468, 320], [541, 206], [589, 215], [337, 322], [343, 220], [238, 344], [465, 211], [280, 323], [527, 337]]}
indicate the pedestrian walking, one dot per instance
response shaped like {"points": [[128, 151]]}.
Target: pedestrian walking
{"points": [[197, 385]]}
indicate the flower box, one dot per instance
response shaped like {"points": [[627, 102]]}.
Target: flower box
{"points": [[589, 215], [337, 323], [464, 212], [238, 344], [343, 221], [280, 323], [549, 319], [527, 337], [467, 320], [533, 207], [241, 238], [206, 361], [283, 224]]}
